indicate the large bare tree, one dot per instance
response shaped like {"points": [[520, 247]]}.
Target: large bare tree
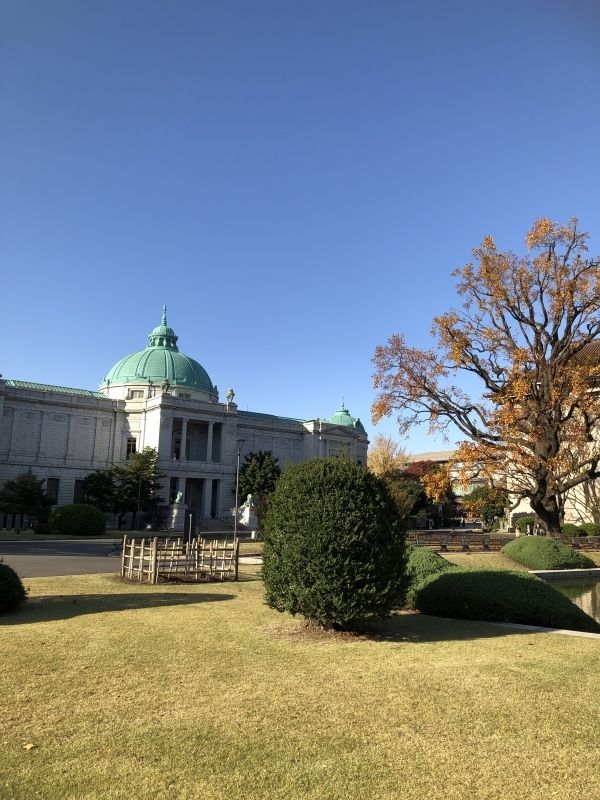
{"points": [[527, 330]]}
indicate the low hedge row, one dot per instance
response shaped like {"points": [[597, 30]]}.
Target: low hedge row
{"points": [[422, 563], [584, 529], [538, 552], [78, 519], [499, 596]]}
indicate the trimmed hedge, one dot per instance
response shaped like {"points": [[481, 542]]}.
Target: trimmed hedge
{"points": [[569, 529], [537, 552], [333, 545], [12, 593], [500, 596], [77, 520], [421, 564], [589, 528]]}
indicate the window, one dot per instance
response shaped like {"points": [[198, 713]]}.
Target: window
{"points": [[136, 394], [131, 446], [78, 492], [185, 395], [52, 485]]}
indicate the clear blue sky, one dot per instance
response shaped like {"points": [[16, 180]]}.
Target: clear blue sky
{"points": [[295, 180]]}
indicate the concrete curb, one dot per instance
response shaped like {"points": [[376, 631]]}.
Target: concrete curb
{"points": [[537, 629], [589, 572]]}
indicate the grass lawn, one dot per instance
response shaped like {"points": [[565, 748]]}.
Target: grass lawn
{"points": [[182, 692]]}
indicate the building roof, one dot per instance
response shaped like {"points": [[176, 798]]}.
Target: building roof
{"points": [[343, 417], [160, 361], [440, 456], [48, 387], [271, 417]]}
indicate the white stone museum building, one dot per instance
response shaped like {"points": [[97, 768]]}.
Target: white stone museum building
{"points": [[157, 397]]}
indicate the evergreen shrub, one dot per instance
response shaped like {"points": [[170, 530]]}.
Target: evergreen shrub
{"points": [[569, 529], [41, 527], [78, 519], [12, 593], [522, 522], [500, 596], [422, 563], [333, 545], [589, 529], [538, 552]]}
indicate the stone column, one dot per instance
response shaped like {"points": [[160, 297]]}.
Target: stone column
{"points": [[206, 497], [183, 445], [209, 441]]}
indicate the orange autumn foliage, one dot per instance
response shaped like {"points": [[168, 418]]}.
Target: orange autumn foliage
{"points": [[526, 330]]}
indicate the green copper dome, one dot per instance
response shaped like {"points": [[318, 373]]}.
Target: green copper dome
{"points": [[343, 417], [160, 361]]}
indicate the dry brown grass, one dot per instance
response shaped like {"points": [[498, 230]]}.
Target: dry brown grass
{"points": [[130, 692]]}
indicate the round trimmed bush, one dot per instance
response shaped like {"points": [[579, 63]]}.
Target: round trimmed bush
{"points": [[77, 520], [421, 564], [500, 596], [537, 552], [333, 545], [12, 593]]}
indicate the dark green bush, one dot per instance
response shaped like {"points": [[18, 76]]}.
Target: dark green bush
{"points": [[500, 596], [538, 552], [421, 563], [41, 527], [333, 545], [12, 593], [569, 529], [589, 529], [522, 522], [77, 520]]}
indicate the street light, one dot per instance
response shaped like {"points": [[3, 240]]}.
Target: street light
{"points": [[240, 444]]}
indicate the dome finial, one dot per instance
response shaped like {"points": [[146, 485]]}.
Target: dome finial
{"points": [[164, 316], [342, 406]]}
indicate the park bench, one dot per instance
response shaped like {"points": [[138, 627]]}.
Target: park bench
{"points": [[435, 540]]}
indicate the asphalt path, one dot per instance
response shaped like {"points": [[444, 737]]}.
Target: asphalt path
{"points": [[58, 557]]}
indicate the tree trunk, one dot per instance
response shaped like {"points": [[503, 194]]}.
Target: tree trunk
{"points": [[548, 511]]}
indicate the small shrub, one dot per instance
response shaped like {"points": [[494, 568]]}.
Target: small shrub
{"points": [[12, 593], [77, 520], [41, 527], [538, 552], [422, 563], [569, 529], [333, 545], [589, 529], [500, 596], [522, 522]]}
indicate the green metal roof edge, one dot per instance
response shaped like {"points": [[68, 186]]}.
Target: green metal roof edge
{"points": [[270, 416], [47, 387]]}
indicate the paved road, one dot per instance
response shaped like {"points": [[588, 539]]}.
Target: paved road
{"points": [[53, 557]]}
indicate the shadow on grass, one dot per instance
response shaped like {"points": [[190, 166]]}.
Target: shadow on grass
{"points": [[421, 628], [56, 607]]}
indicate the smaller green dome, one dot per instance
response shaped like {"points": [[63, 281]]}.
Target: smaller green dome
{"points": [[343, 417]]}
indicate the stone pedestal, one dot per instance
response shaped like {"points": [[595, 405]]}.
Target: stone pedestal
{"points": [[177, 518]]}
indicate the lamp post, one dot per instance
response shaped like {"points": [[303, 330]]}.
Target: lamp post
{"points": [[139, 503], [240, 444]]}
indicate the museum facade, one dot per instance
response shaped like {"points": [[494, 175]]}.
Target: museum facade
{"points": [[157, 397]]}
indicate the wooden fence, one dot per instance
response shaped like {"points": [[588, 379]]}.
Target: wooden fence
{"points": [[163, 559]]}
